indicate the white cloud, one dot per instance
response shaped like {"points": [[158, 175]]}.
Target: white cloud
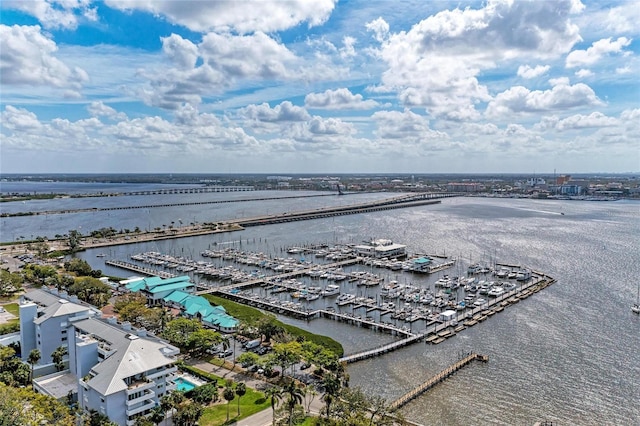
{"points": [[579, 121], [562, 96], [598, 49], [525, 71], [217, 64], [348, 47], [180, 51], [285, 112], [19, 119], [146, 134], [338, 99], [584, 73], [54, 14], [624, 70], [263, 15], [27, 58], [99, 109], [405, 125], [437, 62], [380, 29]]}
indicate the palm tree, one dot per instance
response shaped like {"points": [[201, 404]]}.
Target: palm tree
{"points": [[157, 415], [228, 394], [58, 357], [275, 393], [241, 389], [296, 396], [34, 357], [331, 385]]}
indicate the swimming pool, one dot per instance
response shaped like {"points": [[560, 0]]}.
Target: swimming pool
{"points": [[183, 385]]}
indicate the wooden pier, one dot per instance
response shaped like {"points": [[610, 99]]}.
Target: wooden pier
{"points": [[441, 376], [382, 349], [140, 269]]}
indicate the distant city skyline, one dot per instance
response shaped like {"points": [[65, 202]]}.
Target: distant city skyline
{"points": [[124, 86]]}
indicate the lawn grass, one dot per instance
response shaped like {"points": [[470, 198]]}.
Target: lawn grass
{"points": [[251, 315], [12, 308], [215, 415], [250, 403]]}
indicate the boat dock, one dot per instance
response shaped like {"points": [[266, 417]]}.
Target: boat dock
{"points": [[382, 349], [278, 279], [441, 376], [140, 269]]}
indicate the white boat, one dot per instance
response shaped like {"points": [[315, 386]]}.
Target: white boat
{"points": [[331, 290], [523, 275], [496, 291]]}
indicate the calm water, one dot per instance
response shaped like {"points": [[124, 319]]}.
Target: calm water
{"points": [[569, 354]]}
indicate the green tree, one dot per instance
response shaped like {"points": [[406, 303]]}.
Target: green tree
{"points": [[205, 394], [58, 357], [274, 394], [286, 354], [10, 283], [248, 358], [178, 331], [94, 418], [24, 407], [241, 389], [228, 394], [171, 401], [295, 396], [331, 384], [269, 327], [32, 359], [202, 339], [188, 414], [157, 415], [75, 238]]}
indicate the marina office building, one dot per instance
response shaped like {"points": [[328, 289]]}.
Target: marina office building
{"points": [[381, 248], [113, 369]]}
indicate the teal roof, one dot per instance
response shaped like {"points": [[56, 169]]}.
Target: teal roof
{"points": [[154, 281], [422, 260], [135, 286], [225, 321], [170, 287], [177, 296]]}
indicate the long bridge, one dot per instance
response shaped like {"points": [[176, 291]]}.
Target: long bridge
{"points": [[404, 201]]}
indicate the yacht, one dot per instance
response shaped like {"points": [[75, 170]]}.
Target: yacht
{"points": [[331, 290], [523, 275], [496, 291]]}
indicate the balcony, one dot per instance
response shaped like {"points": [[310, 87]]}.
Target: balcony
{"points": [[163, 372], [133, 411], [147, 395], [140, 385]]}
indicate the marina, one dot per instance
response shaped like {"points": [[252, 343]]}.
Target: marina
{"points": [[300, 288], [527, 340]]}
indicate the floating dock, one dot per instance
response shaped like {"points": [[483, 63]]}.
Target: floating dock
{"points": [[444, 374]]}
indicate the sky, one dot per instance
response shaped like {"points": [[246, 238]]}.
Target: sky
{"points": [[322, 86]]}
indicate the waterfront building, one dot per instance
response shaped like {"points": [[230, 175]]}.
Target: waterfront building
{"points": [[113, 369], [381, 248], [198, 307], [155, 289], [43, 321], [122, 373]]}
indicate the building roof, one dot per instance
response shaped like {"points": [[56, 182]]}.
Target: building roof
{"points": [[169, 287], [60, 308], [130, 355], [177, 297], [41, 297]]}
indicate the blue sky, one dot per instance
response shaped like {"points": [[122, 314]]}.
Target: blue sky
{"points": [[319, 86]]}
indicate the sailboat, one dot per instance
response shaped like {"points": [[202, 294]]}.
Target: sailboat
{"points": [[636, 307]]}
